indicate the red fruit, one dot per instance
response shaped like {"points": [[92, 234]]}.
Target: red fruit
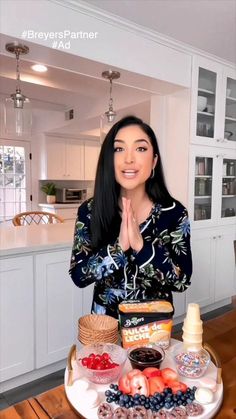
{"points": [[168, 375], [133, 372], [106, 356], [156, 385], [90, 363], [177, 386], [139, 384], [84, 361], [91, 356], [124, 384], [151, 372]]}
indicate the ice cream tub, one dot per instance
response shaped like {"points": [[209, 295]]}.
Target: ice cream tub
{"points": [[145, 322]]}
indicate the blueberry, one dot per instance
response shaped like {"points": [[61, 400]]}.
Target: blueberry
{"points": [[109, 400], [151, 399], [125, 398], [142, 402], [167, 405], [112, 386], [115, 387], [108, 393], [127, 405], [121, 403], [137, 396], [189, 401], [168, 399], [117, 401], [136, 402], [179, 393], [119, 393], [169, 390], [142, 397], [147, 405], [179, 402]]}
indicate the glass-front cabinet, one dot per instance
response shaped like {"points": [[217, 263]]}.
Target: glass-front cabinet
{"points": [[228, 200], [203, 188], [212, 185], [213, 104]]}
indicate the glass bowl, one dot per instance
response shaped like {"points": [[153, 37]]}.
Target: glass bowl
{"points": [[99, 371], [144, 356], [191, 364]]}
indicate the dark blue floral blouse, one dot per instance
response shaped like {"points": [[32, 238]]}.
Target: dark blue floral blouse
{"points": [[163, 265]]}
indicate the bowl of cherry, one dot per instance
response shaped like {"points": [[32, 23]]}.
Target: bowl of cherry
{"points": [[101, 363]]}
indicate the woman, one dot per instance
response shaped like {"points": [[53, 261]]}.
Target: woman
{"points": [[132, 239]]}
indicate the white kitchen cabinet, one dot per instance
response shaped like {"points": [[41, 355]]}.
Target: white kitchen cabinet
{"points": [[63, 158], [225, 279], [91, 154], [69, 158], [16, 317], [212, 186], [213, 276], [67, 212], [213, 120], [179, 301], [58, 307], [201, 290]]}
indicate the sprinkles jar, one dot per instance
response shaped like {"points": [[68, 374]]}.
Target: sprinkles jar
{"points": [[192, 364]]}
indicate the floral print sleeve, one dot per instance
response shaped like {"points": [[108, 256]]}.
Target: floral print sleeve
{"points": [[162, 266], [166, 254], [86, 266]]}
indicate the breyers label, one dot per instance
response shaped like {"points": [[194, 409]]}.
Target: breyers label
{"points": [[152, 324], [155, 332]]}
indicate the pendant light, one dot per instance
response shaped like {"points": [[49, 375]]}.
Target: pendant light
{"points": [[17, 109], [110, 75]]}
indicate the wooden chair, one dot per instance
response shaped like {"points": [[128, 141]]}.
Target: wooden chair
{"points": [[36, 217]]}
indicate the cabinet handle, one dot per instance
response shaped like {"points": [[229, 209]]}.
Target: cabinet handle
{"points": [[214, 237], [219, 237]]}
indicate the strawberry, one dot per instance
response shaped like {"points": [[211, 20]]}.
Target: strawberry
{"points": [[151, 372], [124, 384], [156, 385], [168, 375]]}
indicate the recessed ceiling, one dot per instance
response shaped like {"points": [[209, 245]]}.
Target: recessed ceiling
{"points": [[72, 81], [209, 25]]}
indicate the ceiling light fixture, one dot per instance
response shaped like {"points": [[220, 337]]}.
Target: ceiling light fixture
{"points": [[18, 113], [110, 75], [40, 68]]}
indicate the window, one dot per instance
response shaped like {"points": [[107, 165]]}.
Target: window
{"points": [[14, 179]]}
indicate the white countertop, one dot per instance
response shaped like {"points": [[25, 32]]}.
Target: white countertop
{"points": [[34, 238], [75, 205]]}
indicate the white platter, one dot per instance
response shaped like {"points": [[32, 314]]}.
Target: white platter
{"points": [[77, 395]]}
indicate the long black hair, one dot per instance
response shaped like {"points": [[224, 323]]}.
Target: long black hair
{"points": [[105, 217]]}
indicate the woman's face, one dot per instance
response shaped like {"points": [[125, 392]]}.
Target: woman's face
{"points": [[133, 157]]}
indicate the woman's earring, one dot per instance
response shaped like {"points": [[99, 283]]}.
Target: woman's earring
{"points": [[153, 173]]}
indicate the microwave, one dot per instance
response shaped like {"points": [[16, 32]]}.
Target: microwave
{"points": [[70, 195]]}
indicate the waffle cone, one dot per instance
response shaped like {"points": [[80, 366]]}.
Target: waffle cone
{"points": [[96, 328]]}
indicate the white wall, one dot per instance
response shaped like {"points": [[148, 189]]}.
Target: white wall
{"points": [[114, 45]]}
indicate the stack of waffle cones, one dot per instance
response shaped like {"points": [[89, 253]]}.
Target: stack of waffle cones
{"points": [[192, 328], [97, 328]]}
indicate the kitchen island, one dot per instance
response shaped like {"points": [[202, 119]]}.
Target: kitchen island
{"points": [[40, 305]]}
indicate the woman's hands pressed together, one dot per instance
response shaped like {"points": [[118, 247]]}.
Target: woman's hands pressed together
{"points": [[129, 229]]}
